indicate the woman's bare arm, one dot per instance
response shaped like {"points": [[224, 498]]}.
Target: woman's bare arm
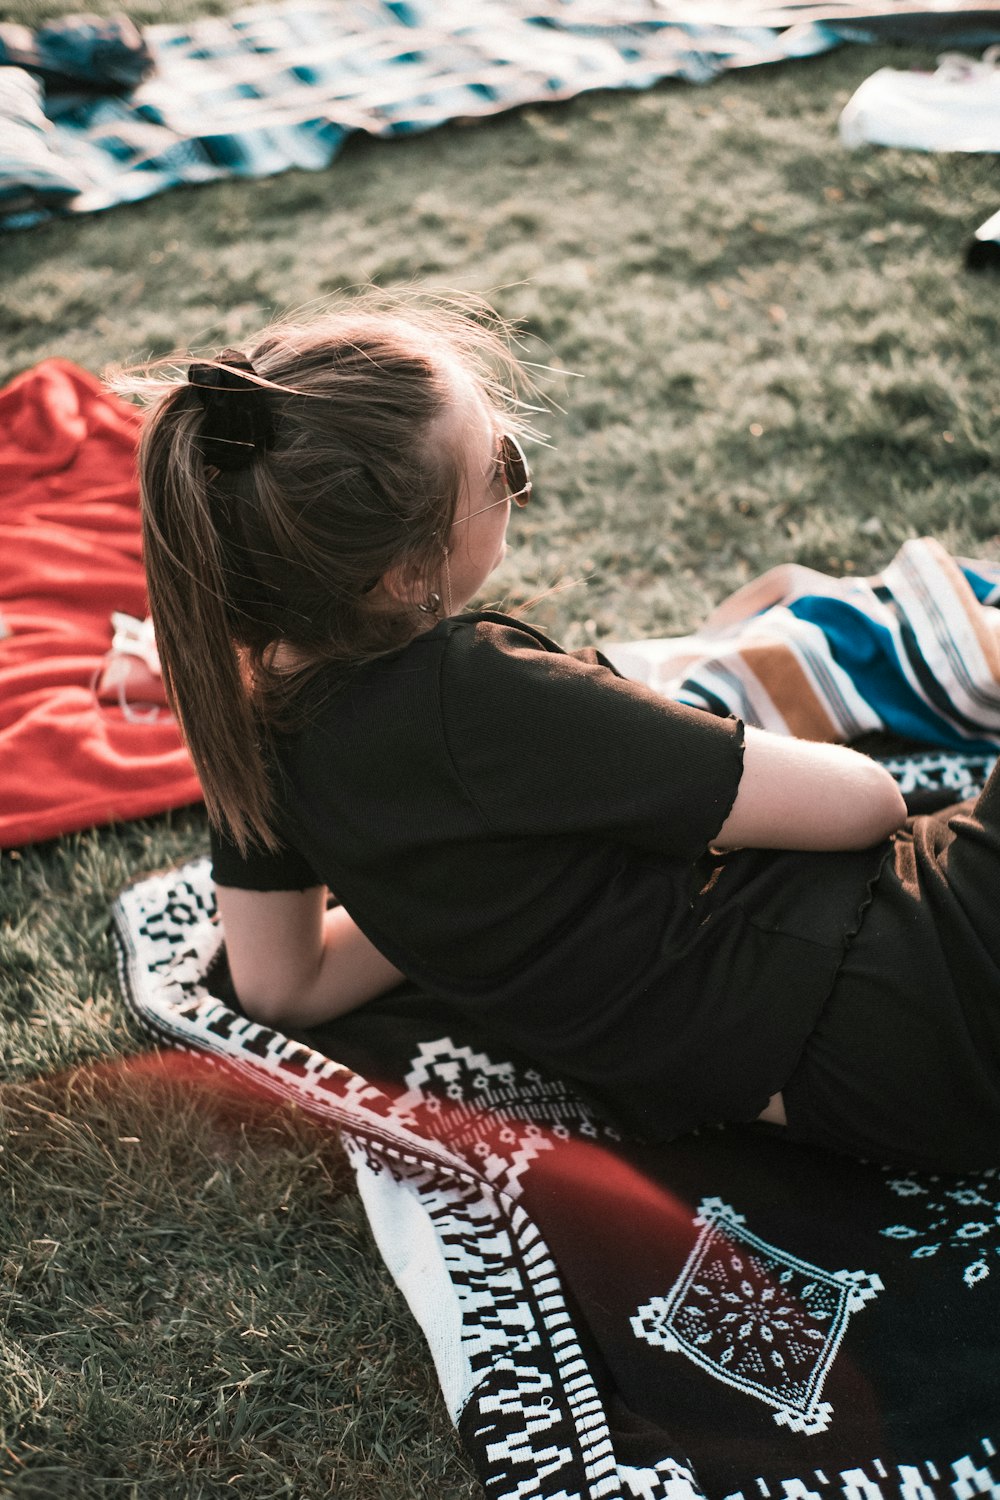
{"points": [[798, 794], [295, 963]]}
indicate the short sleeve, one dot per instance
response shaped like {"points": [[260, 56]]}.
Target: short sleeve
{"points": [[547, 743], [259, 869]]}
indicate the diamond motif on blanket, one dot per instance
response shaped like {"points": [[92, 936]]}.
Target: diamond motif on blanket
{"points": [[956, 1215], [757, 1318]]}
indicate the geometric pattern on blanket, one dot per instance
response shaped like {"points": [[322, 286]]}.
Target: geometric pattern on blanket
{"points": [[933, 775], [957, 1218], [602, 1314]]}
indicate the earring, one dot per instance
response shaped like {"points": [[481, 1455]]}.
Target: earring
{"points": [[431, 605]]}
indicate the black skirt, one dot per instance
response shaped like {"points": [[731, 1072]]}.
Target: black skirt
{"points": [[904, 1063]]}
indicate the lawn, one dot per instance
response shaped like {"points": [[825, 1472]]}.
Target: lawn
{"points": [[774, 355]]}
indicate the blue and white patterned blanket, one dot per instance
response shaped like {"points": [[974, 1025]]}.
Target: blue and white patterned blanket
{"points": [[274, 87]]}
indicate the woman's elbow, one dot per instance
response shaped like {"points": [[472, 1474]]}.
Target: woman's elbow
{"points": [[268, 1005], [898, 813], [263, 1007], [884, 810]]}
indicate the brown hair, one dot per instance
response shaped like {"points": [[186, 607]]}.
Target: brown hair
{"points": [[283, 553]]}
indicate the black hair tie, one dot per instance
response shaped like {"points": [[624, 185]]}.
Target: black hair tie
{"points": [[237, 423]]}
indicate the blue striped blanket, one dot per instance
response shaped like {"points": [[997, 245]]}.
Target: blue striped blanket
{"points": [[274, 87], [913, 652]]}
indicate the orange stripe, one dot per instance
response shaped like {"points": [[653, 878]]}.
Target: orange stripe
{"points": [[786, 683]]}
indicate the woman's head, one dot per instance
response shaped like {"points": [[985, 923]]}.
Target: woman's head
{"points": [[373, 435]]}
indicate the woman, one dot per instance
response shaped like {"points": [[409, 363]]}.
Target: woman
{"points": [[694, 924]]}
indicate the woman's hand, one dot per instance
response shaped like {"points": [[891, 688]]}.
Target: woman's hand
{"points": [[295, 963], [798, 794]]}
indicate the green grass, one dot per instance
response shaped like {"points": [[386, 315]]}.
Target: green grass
{"points": [[776, 357], [193, 1307]]}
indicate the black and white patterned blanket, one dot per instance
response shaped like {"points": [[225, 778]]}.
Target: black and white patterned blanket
{"points": [[729, 1316]]}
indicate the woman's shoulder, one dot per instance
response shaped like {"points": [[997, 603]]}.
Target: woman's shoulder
{"points": [[487, 632], [496, 631], [483, 657]]}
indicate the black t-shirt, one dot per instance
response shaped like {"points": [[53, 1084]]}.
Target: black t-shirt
{"points": [[526, 835]]}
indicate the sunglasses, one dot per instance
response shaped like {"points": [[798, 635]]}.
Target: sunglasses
{"points": [[516, 477]]}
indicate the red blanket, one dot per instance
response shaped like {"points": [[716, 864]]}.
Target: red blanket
{"points": [[69, 558]]}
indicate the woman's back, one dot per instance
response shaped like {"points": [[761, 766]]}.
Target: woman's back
{"points": [[525, 834]]}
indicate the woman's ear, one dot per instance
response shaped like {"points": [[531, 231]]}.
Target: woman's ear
{"points": [[408, 583], [404, 584]]}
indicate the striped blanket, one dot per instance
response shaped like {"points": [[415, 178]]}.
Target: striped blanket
{"points": [[913, 652], [266, 89]]}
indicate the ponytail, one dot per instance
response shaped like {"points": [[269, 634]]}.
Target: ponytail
{"points": [[204, 669]]}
